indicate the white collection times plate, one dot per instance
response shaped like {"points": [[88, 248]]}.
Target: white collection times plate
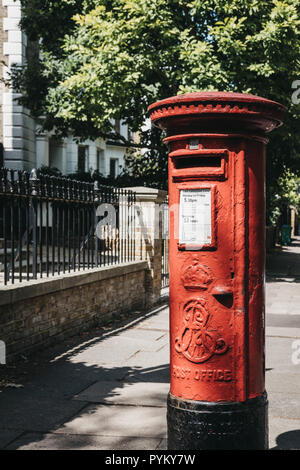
{"points": [[195, 217]]}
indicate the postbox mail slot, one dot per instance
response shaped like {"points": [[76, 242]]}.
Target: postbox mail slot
{"points": [[199, 164]]}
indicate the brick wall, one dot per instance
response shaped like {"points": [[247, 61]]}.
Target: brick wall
{"points": [[39, 313]]}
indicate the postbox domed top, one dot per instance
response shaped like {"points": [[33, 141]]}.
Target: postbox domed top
{"points": [[214, 111]]}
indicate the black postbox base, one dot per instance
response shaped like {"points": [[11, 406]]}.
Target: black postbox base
{"points": [[196, 425]]}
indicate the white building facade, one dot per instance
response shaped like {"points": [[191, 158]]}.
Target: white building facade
{"points": [[25, 146]]}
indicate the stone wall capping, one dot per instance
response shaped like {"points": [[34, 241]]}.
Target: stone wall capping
{"points": [[29, 289], [144, 194]]}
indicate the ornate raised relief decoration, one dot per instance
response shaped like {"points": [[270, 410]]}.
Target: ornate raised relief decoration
{"points": [[216, 103], [197, 341], [252, 112], [196, 275]]}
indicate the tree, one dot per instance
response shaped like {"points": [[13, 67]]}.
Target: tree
{"points": [[285, 193], [111, 58]]}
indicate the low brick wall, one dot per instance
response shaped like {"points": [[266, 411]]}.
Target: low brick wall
{"points": [[38, 313]]}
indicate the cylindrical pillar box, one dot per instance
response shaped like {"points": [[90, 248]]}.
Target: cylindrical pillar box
{"points": [[216, 147]]}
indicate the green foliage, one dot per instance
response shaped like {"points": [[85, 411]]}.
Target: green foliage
{"points": [[284, 193], [49, 171], [109, 59], [289, 185], [49, 21], [150, 167], [125, 179]]}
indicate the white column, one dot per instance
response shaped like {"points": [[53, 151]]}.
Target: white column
{"points": [[148, 236], [42, 149]]}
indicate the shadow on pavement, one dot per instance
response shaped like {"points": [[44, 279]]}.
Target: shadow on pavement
{"points": [[44, 414], [288, 440], [284, 266], [31, 415]]}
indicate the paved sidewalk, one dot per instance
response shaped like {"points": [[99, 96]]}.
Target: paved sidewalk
{"points": [[106, 393], [109, 392], [283, 346]]}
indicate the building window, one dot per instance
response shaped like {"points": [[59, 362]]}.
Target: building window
{"points": [[113, 167], [55, 153], [1, 155], [31, 50], [117, 126], [100, 162], [82, 162]]}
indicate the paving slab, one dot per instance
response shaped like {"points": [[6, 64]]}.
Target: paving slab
{"points": [[159, 322], [283, 321], [130, 393], [159, 373], [113, 350], [63, 380], [282, 332], [294, 309], [138, 333], [38, 414], [36, 441], [163, 445], [280, 308], [283, 382], [284, 263], [121, 421], [144, 359], [149, 341], [282, 405], [279, 355]]}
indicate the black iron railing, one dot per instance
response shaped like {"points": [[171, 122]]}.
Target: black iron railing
{"points": [[51, 225]]}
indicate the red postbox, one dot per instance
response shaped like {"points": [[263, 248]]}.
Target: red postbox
{"points": [[216, 147]]}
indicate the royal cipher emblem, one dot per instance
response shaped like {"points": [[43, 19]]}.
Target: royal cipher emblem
{"points": [[197, 340]]}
